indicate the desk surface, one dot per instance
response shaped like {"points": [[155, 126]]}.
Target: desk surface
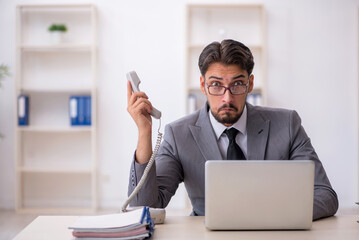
{"points": [[181, 227]]}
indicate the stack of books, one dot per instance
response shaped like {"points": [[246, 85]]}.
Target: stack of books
{"points": [[136, 224]]}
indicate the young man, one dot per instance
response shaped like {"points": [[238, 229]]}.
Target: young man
{"points": [[226, 122]]}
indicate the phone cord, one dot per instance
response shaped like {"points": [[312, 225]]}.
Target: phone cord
{"points": [[146, 171]]}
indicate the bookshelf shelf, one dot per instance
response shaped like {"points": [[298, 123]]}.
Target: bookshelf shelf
{"points": [[56, 48], [56, 169], [55, 162], [55, 129], [26, 89]]}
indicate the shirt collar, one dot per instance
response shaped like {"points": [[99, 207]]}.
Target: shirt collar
{"points": [[240, 125]]}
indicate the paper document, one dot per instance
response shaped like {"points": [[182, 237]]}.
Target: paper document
{"points": [[135, 224]]}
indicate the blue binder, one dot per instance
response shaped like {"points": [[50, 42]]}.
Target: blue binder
{"points": [[73, 111], [80, 110], [23, 110], [88, 110]]}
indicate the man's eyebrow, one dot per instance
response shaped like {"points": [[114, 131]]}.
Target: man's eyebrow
{"points": [[239, 76], [219, 78], [215, 77]]}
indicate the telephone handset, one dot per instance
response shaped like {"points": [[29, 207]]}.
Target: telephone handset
{"points": [[157, 214], [135, 82]]}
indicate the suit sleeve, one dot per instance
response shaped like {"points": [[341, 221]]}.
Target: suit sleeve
{"points": [[163, 178], [325, 198]]}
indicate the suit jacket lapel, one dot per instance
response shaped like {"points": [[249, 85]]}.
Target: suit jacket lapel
{"points": [[205, 137], [257, 134]]}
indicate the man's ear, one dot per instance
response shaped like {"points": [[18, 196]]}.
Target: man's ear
{"points": [[203, 85], [251, 83]]}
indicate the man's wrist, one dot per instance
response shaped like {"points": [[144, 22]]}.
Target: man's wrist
{"points": [[144, 147], [145, 133]]}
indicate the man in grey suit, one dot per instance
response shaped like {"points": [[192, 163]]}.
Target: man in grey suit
{"points": [[259, 133]]}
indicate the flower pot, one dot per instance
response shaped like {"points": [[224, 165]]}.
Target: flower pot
{"points": [[57, 37]]}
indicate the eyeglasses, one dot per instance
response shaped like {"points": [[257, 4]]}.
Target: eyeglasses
{"points": [[234, 89]]}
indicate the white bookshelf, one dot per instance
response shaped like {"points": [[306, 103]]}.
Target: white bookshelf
{"points": [[215, 22], [55, 162]]}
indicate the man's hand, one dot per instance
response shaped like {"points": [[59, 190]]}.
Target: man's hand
{"points": [[139, 107]]}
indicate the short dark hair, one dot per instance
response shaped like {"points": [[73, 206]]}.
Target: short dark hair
{"points": [[227, 52]]}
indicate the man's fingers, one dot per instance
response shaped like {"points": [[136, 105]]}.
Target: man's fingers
{"points": [[142, 102], [129, 91], [134, 95], [139, 106]]}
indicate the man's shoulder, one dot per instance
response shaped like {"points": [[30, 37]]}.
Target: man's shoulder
{"points": [[269, 111], [278, 116]]}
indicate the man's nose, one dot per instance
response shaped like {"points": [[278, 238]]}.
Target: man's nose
{"points": [[227, 96]]}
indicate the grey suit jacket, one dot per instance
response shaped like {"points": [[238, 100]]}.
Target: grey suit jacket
{"points": [[272, 134]]}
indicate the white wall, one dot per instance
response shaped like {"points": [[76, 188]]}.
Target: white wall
{"points": [[312, 67]]}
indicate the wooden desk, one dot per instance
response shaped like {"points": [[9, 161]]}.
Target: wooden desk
{"points": [[180, 227]]}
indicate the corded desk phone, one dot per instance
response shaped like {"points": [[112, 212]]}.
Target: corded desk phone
{"points": [[157, 214]]}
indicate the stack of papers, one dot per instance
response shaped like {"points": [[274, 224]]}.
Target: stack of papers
{"points": [[135, 224]]}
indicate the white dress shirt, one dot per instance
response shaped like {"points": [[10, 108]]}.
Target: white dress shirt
{"points": [[222, 139]]}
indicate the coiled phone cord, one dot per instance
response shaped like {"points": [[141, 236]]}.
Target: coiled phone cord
{"points": [[146, 171]]}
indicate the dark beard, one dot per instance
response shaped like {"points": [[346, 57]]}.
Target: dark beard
{"points": [[228, 118]]}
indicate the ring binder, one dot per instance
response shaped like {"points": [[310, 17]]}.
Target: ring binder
{"points": [[23, 110], [80, 110]]}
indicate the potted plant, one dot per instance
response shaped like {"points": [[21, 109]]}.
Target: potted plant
{"points": [[4, 72], [57, 31]]}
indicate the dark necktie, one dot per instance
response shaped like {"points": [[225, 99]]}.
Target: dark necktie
{"points": [[234, 152]]}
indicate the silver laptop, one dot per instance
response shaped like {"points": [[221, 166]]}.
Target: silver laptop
{"points": [[258, 195]]}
